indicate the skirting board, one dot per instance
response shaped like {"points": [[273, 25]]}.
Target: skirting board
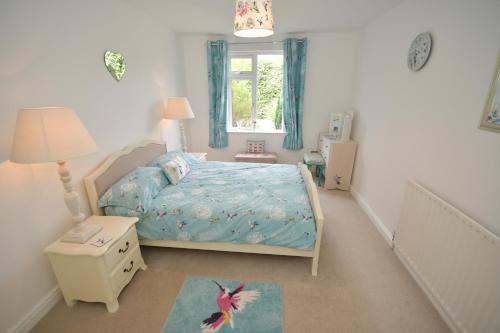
{"points": [[37, 312], [386, 233]]}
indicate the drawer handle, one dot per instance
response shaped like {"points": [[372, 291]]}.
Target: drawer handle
{"points": [[126, 270], [126, 249]]}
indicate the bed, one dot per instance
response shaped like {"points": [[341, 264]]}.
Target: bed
{"points": [[221, 206]]}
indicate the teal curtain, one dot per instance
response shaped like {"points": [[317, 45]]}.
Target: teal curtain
{"points": [[217, 89], [294, 71]]}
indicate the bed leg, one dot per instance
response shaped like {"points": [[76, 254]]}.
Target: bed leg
{"points": [[315, 265], [317, 245]]}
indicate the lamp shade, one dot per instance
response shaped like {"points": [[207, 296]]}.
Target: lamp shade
{"points": [[49, 134], [253, 18], [178, 108]]}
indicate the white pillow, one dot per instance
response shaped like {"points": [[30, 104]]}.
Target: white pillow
{"points": [[176, 169]]}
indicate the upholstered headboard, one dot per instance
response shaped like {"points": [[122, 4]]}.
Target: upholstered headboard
{"points": [[118, 165]]}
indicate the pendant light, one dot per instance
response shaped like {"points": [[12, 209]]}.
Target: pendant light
{"points": [[253, 18]]}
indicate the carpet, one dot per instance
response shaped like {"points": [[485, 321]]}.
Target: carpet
{"points": [[209, 305]]}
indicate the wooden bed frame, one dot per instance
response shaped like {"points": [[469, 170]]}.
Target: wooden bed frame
{"points": [[121, 163]]}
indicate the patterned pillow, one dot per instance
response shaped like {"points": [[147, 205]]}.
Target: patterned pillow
{"points": [[136, 190], [176, 169]]}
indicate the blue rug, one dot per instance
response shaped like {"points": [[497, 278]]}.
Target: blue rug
{"points": [[209, 305]]}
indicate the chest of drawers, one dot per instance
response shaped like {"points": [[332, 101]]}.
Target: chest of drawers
{"points": [[339, 161]]}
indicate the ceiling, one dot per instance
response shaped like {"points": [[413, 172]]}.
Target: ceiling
{"points": [[290, 16]]}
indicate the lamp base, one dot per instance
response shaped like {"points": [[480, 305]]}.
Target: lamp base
{"points": [[81, 233], [183, 136]]}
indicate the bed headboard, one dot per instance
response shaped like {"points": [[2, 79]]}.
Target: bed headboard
{"points": [[118, 165]]}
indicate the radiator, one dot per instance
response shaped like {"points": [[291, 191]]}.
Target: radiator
{"points": [[454, 259]]}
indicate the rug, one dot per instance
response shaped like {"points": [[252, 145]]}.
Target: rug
{"points": [[209, 305]]}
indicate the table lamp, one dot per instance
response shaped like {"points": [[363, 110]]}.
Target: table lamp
{"points": [[179, 108], [55, 134]]}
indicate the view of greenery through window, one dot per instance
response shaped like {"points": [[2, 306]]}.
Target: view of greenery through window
{"points": [[241, 103], [241, 64], [269, 81]]}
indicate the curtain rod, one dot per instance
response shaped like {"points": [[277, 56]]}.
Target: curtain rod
{"points": [[268, 42], [241, 43]]}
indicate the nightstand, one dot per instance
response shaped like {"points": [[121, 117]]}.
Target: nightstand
{"points": [[98, 274], [200, 156]]}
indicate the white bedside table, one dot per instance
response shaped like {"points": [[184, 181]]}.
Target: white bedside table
{"points": [[98, 274], [200, 156]]}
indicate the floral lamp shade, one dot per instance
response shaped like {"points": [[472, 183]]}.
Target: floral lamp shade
{"points": [[253, 18]]}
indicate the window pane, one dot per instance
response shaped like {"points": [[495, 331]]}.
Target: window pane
{"points": [[269, 92], [241, 64], [241, 96]]}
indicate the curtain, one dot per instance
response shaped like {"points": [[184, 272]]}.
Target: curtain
{"points": [[217, 90], [294, 70]]}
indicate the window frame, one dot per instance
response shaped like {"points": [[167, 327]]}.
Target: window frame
{"points": [[252, 76]]}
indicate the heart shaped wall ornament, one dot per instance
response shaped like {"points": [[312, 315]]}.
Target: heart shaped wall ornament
{"points": [[115, 62]]}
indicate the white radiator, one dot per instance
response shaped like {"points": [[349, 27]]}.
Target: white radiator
{"points": [[454, 259]]}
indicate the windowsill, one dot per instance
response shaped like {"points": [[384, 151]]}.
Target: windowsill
{"points": [[254, 132]]}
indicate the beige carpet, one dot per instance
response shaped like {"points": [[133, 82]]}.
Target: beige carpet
{"points": [[361, 285]]}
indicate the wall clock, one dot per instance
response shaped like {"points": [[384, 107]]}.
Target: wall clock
{"points": [[419, 52]]}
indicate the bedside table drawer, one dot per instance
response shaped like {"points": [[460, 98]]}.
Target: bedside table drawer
{"points": [[126, 269], [121, 249]]}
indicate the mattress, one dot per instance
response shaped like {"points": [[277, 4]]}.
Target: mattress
{"points": [[247, 203]]}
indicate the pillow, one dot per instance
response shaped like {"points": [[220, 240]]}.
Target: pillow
{"points": [[176, 169], [190, 158], [121, 211], [136, 190], [163, 159]]}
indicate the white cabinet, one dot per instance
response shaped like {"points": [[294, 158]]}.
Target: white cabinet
{"points": [[339, 162], [98, 274]]}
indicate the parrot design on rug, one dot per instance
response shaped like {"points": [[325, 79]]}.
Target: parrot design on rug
{"points": [[229, 302]]}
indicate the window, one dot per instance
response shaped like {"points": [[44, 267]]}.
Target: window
{"points": [[255, 92]]}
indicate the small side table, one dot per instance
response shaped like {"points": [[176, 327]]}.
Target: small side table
{"points": [[98, 274], [200, 156], [315, 158]]}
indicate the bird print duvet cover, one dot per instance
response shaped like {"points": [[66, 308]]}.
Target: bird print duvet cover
{"points": [[232, 202]]}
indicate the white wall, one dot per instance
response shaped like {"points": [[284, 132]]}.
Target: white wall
{"points": [[331, 60], [424, 125], [52, 54]]}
